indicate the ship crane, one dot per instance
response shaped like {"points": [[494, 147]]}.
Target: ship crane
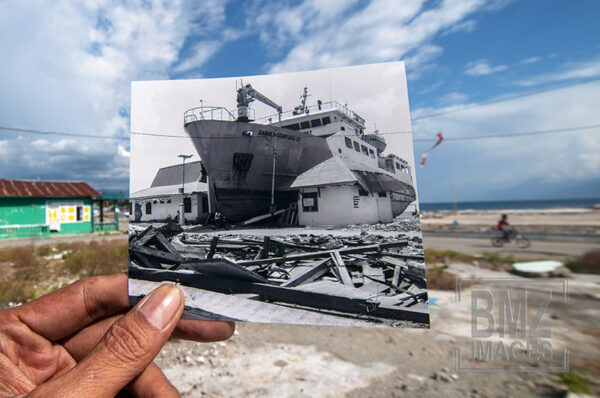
{"points": [[246, 95]]}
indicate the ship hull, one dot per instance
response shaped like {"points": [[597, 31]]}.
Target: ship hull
{"points": [[400, 201], [238, 158]]}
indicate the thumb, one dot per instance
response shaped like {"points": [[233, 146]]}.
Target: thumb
{"points": [[126, 350]]}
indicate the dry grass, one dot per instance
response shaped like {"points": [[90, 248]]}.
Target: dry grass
{"points": [[21, 270], [497, 261], [93, 259], [588, 263], [27, 272], [488, 260], [439, 279], [433, 256]]}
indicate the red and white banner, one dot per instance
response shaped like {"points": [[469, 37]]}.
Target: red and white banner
{"points": [[424, 155]]}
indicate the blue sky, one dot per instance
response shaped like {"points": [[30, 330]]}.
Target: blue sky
{"points": [[67, 67]]}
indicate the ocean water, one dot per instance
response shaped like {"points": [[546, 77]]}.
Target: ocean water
{"points": [[511, 204]]}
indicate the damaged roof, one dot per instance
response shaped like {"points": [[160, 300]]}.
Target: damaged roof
{"points": [[31, 188], [340, 171], [333, 171], [171, 175], [169, 190]]}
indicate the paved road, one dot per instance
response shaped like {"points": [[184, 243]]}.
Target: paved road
{"points": [[538, 249]]}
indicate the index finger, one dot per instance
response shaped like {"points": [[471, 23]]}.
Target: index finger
{"points": [[69, 309]]}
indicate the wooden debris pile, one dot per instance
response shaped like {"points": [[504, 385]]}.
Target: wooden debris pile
{"points": [[368, 276]]}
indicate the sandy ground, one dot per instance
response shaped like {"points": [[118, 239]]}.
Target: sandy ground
{"points": [[539, 250], [293, 361], [560, 220], [263, 360]]}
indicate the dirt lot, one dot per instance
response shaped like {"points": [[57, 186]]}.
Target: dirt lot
{"points": [[295, 361], [280, 360]]}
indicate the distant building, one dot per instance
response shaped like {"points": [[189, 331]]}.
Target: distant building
{"points": [[42, 208], [342, 191], [162, 201]]}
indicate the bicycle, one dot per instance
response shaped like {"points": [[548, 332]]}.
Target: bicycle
{"points": [[521, 241]]}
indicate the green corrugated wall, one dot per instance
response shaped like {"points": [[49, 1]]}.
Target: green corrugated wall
{"points": [[32, 211]]}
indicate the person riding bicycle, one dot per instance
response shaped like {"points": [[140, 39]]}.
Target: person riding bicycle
{"points": [[504, 227]]}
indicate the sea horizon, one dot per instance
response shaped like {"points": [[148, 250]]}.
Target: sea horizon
{"points": [[509, 204]]}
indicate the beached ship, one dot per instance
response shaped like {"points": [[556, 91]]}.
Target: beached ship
{"points": [[251, 164]]}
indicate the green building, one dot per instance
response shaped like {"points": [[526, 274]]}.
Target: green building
{"points": [[45, 208]]}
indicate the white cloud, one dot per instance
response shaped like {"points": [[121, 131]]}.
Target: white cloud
{"points": [[530, 60], [431, 87], [421, 60], [123, 152], [3, 148], [201, 53], [569, 71], [466, 26], [380, 31], [536, 160], [453, 98], [71, 67], [482, 67]]}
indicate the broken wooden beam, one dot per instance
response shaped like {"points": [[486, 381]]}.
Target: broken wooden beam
{"points": [[223, 268], [342, 271], [397, 275], [213, 247], [312, 273], [146, 236], [155, 253], [262, 217], [161, 242], [323, 253], [411, 271], [306, 299], [403, 256]]}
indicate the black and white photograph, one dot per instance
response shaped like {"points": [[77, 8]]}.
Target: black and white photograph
{"points": [[282, 198]]}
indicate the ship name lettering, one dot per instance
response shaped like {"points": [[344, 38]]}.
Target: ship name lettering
{"points": [[278, 135]]}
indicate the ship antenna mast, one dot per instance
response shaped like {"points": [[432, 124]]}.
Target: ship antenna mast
{"points": [[302, 108]]}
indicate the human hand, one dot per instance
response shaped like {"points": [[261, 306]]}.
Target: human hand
{"points": [[81, 341]]}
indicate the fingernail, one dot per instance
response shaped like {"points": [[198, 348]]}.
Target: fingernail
{"points": [[160, 306]]}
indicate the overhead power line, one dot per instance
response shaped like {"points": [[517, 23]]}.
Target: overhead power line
{"points": [[447, 138], [505, 99], [479, 137], [61, 133], [431, 115], [245, 137], [504, 135]]}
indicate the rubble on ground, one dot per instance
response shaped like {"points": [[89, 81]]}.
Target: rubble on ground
{"points": [[370, 277]]}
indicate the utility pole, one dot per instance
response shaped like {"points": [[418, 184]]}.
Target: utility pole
{"points": [[454, 201], [182, 212], [273, 208]]}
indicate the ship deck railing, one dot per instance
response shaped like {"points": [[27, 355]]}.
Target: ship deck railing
{"points": [[212, 113], [325, 106], [222, 113]]}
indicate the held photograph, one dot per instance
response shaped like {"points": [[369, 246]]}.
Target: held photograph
{"points": [[283, 198]]}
